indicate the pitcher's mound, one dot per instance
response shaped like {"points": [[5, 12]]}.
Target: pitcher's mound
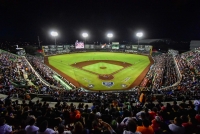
{"points": [[103, 67]]}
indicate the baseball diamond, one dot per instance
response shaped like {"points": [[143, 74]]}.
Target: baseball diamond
{"points": [[101, 71]]}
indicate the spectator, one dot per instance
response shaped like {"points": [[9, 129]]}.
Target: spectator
{"points": [[156, 123], [190, 126], [43, 129], [176, 126], [132, 126], [61, 130], [79, 129], [31, 128], [153, 113], [4, 128], [146, 128]]}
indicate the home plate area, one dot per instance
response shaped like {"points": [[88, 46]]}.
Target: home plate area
{"points": [[106, 77]]}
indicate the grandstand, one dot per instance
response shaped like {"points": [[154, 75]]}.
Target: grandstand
{"points": [[172, 77]]}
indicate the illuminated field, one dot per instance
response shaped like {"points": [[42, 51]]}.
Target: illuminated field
{"points": [[101, 70]]}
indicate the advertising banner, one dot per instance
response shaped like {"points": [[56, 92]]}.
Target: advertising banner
{"points": [[115, 45], [128, 47], [108, 46], [122, 46], [141, 47], [147, 47], [52, 48], [87, 46], [91, 46], [134, 47]]}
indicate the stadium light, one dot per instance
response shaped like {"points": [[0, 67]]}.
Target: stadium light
{"points": [[139, 35], [85, 35], [54, 34], [109, 35]]}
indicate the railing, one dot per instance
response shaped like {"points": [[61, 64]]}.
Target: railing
{"points": [[179, 73]]}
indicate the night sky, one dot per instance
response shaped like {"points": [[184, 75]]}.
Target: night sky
{"points": [[25, 20]]}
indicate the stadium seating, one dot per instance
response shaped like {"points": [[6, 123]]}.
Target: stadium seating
{"points": [[172, 77]]}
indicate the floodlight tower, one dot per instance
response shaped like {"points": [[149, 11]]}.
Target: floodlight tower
{"points": [[85, 35], [139, 35], [109, 35], [54, 34]]}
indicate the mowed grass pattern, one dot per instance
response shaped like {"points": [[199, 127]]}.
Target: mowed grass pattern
{"points": [[110, 68], [126, 76]]}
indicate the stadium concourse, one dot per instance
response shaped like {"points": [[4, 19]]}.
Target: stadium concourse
{"points": [[174, 76]]}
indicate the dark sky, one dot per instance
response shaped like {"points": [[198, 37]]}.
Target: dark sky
{"points": [[25, 20]]}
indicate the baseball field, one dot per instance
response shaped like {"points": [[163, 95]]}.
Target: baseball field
{"points": [[101, 71]]}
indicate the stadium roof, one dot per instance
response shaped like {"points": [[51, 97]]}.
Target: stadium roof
{"points": [[194, 44], [195, 41]]}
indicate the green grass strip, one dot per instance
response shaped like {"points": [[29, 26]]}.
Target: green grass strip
{"points": [[62, 82]]}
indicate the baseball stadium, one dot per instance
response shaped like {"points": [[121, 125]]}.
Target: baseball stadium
{"points": [[94, 70], [100, 67], [119, 76]]}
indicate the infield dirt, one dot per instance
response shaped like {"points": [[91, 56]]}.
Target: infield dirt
{"points": [[110, 76]]}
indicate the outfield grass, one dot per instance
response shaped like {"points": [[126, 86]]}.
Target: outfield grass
{"points": [[126, 76]]}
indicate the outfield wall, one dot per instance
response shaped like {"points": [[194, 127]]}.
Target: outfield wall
{"points": [[63, 49]]}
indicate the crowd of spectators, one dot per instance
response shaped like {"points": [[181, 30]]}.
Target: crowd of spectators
{"points": [[170, 73], [12, 68], [18, 79], [111, 112], [101, 118], [193, 59], [162, 74], [187, 64], [168, 76], [46, 72], [190, 78], [43, 70]]}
